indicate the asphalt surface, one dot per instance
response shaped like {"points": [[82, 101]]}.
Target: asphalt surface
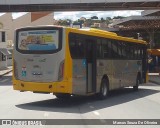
{"points": [[120, 104]]}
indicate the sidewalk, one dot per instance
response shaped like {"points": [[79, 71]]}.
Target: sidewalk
{"points": [[5, 71], [154, 78]]}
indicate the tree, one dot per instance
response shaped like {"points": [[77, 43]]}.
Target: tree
{"points": [[108, 18], [88, 22], [118, 17], [94, 17], [81, 21], [69, 21], [102, 19], [63, 22]]}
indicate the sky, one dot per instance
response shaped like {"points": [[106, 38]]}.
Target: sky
{"points": [[88, 14], [74, 15]]}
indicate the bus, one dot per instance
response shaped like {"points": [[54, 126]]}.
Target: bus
{"points": [[154, 60], [67, 61]]}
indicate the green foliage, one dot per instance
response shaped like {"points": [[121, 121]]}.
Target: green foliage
{"points": [[102, 19], [118, 17], [94, 17], [108, 18], [65, 22], [87, 22], [81, 21]]}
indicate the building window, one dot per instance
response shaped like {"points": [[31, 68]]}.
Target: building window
{"points": [[3, 37], [3, 57]]}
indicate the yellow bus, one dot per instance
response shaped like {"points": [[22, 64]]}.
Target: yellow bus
{"points": [[154, 60], [67, 61]]}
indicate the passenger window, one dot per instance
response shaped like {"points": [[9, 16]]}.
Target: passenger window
{"points": [[77, 46], [105, 52], [99, 49]]}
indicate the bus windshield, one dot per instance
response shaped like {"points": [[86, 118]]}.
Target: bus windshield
{"points": [[38, 40]]}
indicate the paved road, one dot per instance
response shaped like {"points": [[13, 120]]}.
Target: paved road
{"points": [[121, 104]]}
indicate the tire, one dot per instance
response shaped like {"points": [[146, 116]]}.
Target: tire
{"points": [[135, 88], [104, 89], [63, 96]]}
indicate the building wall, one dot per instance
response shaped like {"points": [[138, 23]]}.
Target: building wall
{"points": [[7, 22], [32, 20], [3, 65], [3, 41], [46, 20], [39, 18]]}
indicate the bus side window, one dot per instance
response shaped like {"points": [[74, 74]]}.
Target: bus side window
{"points": [[109, 42], [72, 45], [105, 52], [119, 48], [139, 52], [80, 47], [133, 52], [77, 46], [129, 51], [124, 53], [114, 49], [99, 49]]}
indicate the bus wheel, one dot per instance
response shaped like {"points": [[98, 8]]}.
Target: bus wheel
{"points": [[135, 88], [104, 89], [63, 96]]}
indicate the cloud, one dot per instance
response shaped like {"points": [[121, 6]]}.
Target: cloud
{"points": [[88, 14]]}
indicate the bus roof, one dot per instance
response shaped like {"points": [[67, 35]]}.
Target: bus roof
{"points": [[105, 34], [100, 31]]}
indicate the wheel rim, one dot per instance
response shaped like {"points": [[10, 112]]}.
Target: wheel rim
{"points": [[104, 90]]}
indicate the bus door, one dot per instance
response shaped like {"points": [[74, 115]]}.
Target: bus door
{"points": [[91, 65]]}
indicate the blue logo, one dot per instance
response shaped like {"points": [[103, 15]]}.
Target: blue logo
{"points": [[24, 73], [84, 62]]}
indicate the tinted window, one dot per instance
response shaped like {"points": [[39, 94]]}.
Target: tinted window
{"points": [[104, 48], [105, 51], [99, 48], [114, 52], [77, 45], [124, 50], [119, 49]]}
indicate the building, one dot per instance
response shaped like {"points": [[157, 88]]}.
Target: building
{"points": [[8, 26], [146, 27]]}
